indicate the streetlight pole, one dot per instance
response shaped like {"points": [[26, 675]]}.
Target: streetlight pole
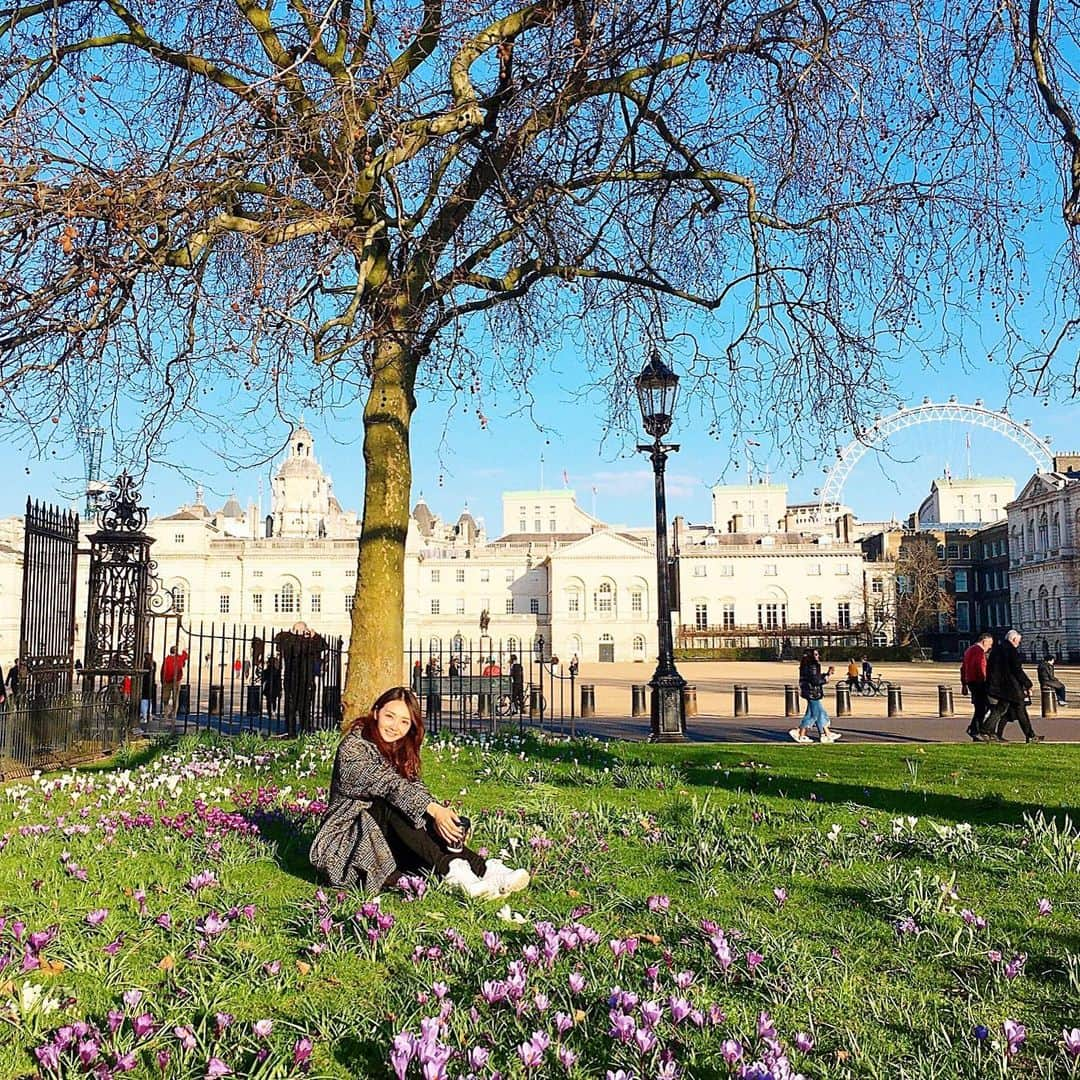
{"points": [[657, 387]]}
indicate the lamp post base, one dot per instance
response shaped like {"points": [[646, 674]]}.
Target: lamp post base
{"points": [[668, 708]]}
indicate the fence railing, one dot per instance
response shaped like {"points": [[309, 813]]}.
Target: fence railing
{"points": [[470, 685], [39, 731]]}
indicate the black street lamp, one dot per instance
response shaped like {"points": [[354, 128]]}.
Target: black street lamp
{"points": [[657, 388]]}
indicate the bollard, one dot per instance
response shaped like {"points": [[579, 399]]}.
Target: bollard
{"points": [[843, 699], [1048, 699], [945, 701], [742, 700], [639, 705], [896, 700], [254, 700], [534, 702], [183, 701], [689, 700], [792, 705], [483, 703], [588, 699], [217, 696]]}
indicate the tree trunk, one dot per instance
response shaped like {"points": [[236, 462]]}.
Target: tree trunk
{"points": [[376, 648]]}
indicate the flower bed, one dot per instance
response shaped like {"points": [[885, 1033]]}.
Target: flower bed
{"points": [[695, 914]]}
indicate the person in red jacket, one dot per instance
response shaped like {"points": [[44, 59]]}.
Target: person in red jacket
{"points": [[973, 681], [172, 675]]}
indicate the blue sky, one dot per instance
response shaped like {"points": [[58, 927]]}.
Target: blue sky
{"points": [[464, 464]]}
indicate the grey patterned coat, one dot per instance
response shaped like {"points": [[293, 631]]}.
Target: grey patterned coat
{"points": [[349, 848]]}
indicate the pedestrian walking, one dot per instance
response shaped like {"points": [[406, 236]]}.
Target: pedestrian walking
{"points": [[812, 689], [517, 685], [172, 675], [301, 651], [149, 689], [973, 681], [271, 685], [1009, 691], [1048, 678], [853, 672]]}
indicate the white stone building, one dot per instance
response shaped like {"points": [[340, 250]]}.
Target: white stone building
{"points": [[1044, 561], [978, 500]]}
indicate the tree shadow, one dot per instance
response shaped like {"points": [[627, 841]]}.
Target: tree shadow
{"points": [[291, 845], [984, 809]]}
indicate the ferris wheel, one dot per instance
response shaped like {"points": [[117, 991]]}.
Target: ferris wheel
{"points": [[929, 412]]}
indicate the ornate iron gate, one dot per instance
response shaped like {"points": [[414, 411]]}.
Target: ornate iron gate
{"points": [[120, 587], [47, 625]]}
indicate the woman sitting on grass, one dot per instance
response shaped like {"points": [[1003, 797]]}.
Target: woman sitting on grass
{"points": [[382, 822]]}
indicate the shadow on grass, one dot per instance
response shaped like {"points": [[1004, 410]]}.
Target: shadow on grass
{"points": [[984, 809], [291, 845]]}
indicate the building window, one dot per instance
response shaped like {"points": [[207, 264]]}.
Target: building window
{"points": [[316, 573], [726, 570], [699, 570], [256, 603], [772, 616], [179, 600], [573, 602], [965, 551], [770, 569], [842, 569], [877, 586], [814, 570], [636, 602], [963, 620], [522, 525], [604, 598], [259, 573], [534, 606], [701, 616], [435, 606], [960, 581], [226, 574], [639, 646], [509, 575], [224, 603], [459, 606], [316, 604], [435, 576], [843, 615], [817, 619], [727, 616], [348, 573], [286, 601], [952, 552], [350, 600], [509, 605], [485, 574], [178, 538], [459, 575]]}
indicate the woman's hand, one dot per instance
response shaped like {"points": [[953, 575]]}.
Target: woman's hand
{"points": [[446, 824]]}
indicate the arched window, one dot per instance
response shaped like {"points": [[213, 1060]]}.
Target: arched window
{"points": [[1055, 531], [287, 599], [606, 649], [179, 595], [1030, 537], [604, 598], [639, 647], [1044, 533], [511, 644]]}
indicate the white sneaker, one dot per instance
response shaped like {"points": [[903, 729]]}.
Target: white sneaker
{"points": [[798, 736], [461, 876], [832, 736], [506, 879]]}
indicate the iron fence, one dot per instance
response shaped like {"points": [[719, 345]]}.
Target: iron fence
{"points": [[480, 686], [52, 731], [242, 678]]}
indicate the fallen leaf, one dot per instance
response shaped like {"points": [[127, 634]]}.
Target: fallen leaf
{"points": [[50, 967], [167, 963], [303, 967]]}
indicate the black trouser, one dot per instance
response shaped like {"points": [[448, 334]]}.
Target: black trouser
{"points": [[1004, 711], [418, 849], [980, 702]]}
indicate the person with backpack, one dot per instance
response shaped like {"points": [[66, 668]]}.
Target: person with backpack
{"points": [[812, 689]]}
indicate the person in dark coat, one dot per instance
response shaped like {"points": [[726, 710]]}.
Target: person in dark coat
{"points": [[300, 650], [149, 689], [1048, 678], [1009, 690], [517, 685], [271, 685], [382, 821]]}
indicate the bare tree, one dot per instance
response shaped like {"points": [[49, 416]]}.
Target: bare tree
{"points": [[264, 205], [922, 590]]}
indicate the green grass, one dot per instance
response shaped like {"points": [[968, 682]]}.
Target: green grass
{"points": [[880, 850]]}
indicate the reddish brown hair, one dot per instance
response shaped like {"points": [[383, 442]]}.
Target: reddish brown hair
{"points": [[403, 755]]}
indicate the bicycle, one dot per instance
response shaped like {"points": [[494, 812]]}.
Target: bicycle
{"points": [[872, 687]]}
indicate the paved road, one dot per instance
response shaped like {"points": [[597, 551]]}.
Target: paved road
{"points": [[869, 722]]}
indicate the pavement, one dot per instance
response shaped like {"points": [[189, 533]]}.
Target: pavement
{"points": [[714, 684]]}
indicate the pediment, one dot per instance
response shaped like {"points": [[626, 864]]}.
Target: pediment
{"points": [[605, 544], [1039, 484]]}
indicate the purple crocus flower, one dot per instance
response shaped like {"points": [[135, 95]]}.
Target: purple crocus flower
{"points": [[403, 1051], [576, 982], [142, 1025], [803, 1042], [1044, 907], [163, 1058], [164, 920], [216, 1067], [185, 1037], [88, 1051], [567, 1057], [1015, 1035], [753, 959], [680, 1009], [302, 1051], [531, 1055], [97, 917], [658, 904], [262, 1028], [731, 1051], [125, 1062], [478, 1057], [781, 896], [48, 1057], [1071, 1041], [115, 1018]]}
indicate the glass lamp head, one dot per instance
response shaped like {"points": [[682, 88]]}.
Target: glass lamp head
{"points": [[657, 388]]}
